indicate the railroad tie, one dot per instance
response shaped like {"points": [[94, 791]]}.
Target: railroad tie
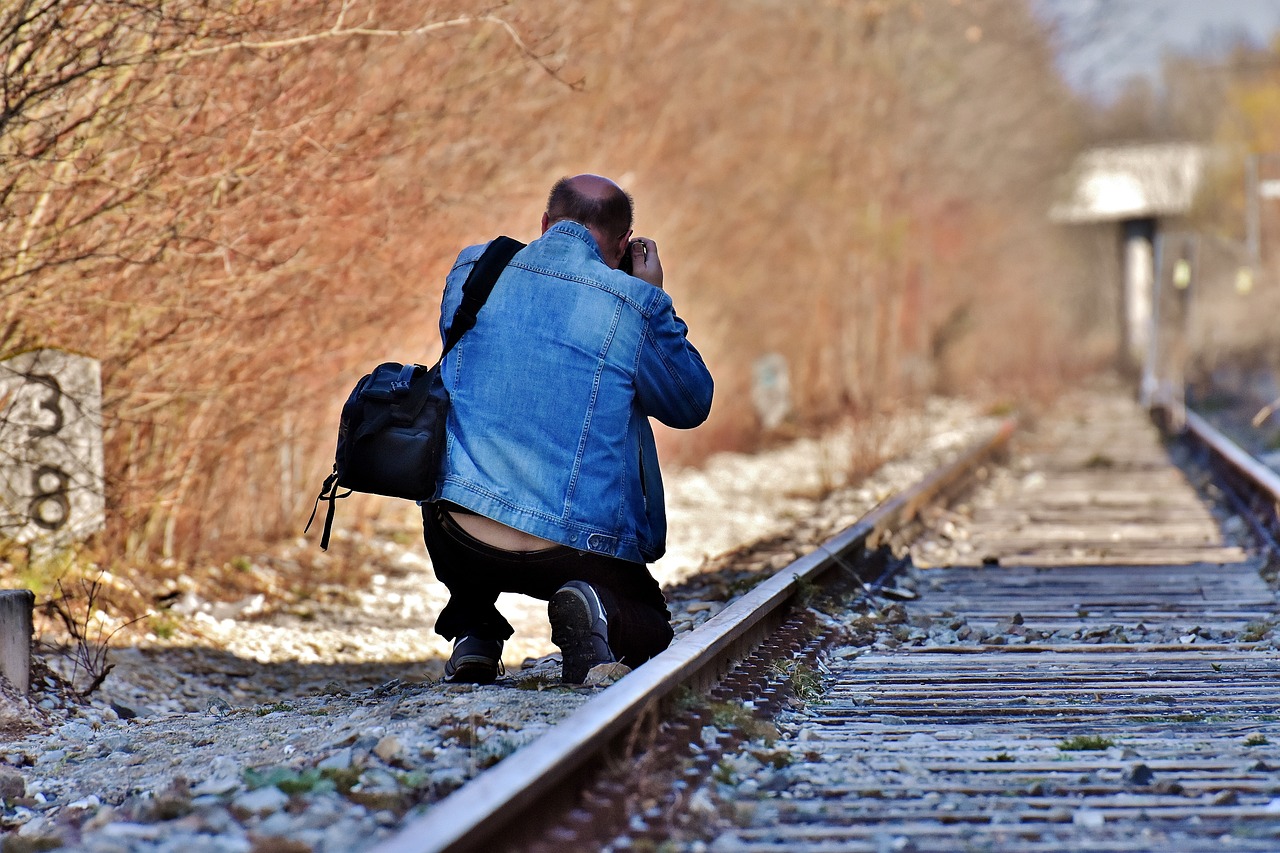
{"points": [[1109, 693]]}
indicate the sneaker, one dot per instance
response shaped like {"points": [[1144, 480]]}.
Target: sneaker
{"points": [[474, 661], [580, 627]]}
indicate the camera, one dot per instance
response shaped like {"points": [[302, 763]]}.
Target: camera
{"points": [[625, 264]]}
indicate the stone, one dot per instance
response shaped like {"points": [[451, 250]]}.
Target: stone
{"points": [[1141, 774], [12, 784], [1090, 818], [127, 831], [602, 675], [114, 744], [89, 803], [128, 710], [449, 778], [52, 756], [262, 801], [390, 749], [217, 784], [279, 843], [340, 760], [79, 732]]}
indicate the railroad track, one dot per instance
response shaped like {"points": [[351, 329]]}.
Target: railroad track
{"points": [[1090, 667]]}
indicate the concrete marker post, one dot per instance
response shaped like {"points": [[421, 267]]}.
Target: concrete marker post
{"points": [[16, 629]]}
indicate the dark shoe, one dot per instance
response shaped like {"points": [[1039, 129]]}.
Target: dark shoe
{"points": [[474, 661], [580, 627]]}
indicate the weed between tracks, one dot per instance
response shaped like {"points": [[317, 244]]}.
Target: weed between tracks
{"points": [[729, 716], [806, 682], [1085, 743], [1256, 631]]}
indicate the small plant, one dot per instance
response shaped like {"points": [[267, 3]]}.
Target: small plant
{"points": [[1002, 409], [414, 779], [289, 781], [806, 591], [539, 682], [263, 710], [1000, 757], [493, 750], [1086, 743], [1256, 740], [1255, 631], [729, 715], [1172, 718], [81, 614], [806, 682], [162, 626], [734, 715], [745, 583], [685, 699], [775, 758], [463, 729], [343, 778]]}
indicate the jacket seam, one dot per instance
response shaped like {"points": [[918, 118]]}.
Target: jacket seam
{"points": [[590, 282]]}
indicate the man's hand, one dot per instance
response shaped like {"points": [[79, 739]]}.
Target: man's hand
{"points": [[644, 261]]}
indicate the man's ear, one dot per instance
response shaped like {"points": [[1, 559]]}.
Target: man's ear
{"points": [[546, 223]]}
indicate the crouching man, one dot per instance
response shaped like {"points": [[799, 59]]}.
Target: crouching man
{"points": [[550, 484]]}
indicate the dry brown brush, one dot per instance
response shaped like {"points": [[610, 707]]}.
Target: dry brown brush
{"points": [[240, 207]]}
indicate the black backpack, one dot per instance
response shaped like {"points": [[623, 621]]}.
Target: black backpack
{"points": [[391, 433]]}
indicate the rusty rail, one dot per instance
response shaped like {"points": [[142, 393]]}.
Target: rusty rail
{"points": [[1253, 487]]}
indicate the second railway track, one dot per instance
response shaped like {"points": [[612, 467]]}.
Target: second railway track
{"points": [[1090, 666]]}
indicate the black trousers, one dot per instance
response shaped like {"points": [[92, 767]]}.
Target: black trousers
{"points": [[475, 574]]}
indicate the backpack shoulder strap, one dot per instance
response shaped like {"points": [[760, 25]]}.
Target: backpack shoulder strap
{"points": [[479, 284]]}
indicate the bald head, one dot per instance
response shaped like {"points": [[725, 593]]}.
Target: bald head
{"points": [[592, 200]]}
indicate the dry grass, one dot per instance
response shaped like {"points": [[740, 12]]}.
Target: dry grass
{"points": [[239, 233]]}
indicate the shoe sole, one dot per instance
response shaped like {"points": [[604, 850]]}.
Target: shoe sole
{"points": [[570, 619], [472, 670]]}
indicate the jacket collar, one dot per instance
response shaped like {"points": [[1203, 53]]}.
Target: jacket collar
{"points": [[576, 229]]}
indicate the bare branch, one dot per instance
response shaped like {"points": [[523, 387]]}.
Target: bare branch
{"points": [[339, 31]]}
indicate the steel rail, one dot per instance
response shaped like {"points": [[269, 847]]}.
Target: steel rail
{"points": [[479, 810], [1262, 481], [1262, 476]]}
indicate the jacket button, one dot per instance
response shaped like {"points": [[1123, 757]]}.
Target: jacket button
{"points": [[595, 542]]}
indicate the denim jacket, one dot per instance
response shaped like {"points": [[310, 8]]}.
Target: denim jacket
{"points": [[551, 394]]}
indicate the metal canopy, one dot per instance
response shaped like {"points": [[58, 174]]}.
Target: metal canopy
{"points": [[1131, 182]]}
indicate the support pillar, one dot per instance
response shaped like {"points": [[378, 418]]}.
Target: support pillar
{"points": [[1138, 289]]}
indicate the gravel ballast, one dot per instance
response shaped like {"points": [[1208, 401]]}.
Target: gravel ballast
{"points": [[321, 728]]}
